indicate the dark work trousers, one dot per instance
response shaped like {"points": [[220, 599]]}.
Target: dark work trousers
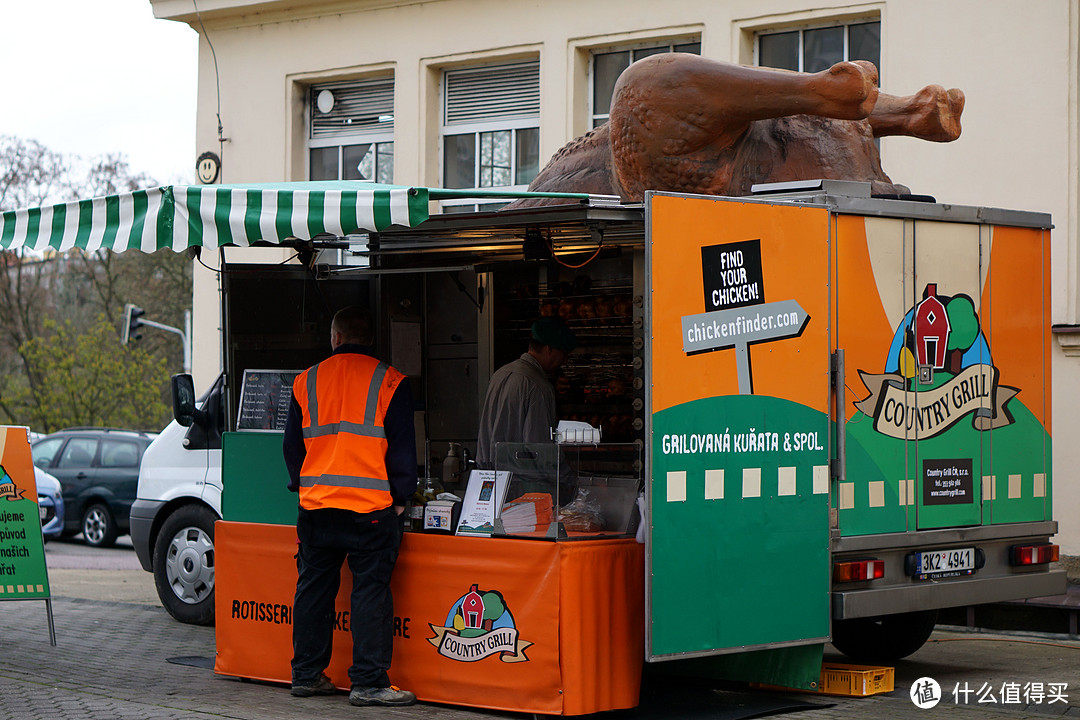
{"points": [[370, 542]]}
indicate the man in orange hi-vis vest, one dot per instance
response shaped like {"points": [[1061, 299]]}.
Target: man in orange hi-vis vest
{"points": [[350, 448]]}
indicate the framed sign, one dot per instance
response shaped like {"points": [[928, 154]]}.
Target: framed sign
{"points": [[484, 497], [264, 399]]}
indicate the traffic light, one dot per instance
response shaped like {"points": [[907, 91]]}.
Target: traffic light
{"points": [[132, 323]]}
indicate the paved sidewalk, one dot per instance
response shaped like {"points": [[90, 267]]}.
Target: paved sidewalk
{"points": [[112, 661]]}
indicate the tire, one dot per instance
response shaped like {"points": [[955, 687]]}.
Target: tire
{"points": [[885, 638], [98, 526], [184, 565]]}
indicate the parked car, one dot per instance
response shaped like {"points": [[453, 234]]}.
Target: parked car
{"points": [[50, 503], [99, 471]]}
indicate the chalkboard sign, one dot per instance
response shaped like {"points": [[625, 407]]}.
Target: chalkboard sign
{"points": [[264, 399]]}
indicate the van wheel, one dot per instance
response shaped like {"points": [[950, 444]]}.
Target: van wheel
{"points": [[98, 526], [885, 638], [184, 565]]}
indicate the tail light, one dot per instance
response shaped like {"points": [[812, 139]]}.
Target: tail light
{"points": [[853, 570], [1033, 554]]}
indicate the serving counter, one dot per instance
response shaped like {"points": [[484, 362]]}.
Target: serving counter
{"points": [[518, 625]]}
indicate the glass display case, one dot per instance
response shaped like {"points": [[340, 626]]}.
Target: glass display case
{"points": [[574, 487]]}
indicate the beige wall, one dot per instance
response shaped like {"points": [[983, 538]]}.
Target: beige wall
{"points": [[1016, 62]]}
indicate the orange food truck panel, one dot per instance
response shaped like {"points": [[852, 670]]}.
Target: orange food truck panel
{"points": [[503, 624]]}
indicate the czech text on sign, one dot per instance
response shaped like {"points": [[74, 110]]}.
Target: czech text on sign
{"points": [[22, 550]]}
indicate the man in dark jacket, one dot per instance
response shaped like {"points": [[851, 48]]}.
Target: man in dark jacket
{"points": [[350, 450]]}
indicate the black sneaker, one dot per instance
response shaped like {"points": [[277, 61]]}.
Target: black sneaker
{"points": [[387, 696], [322, 686]]}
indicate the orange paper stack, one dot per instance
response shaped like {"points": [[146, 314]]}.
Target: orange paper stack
{"points": [[531, 512]]}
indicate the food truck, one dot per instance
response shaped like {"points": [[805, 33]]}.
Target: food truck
{"points": [[804, 416], [835, 408]]}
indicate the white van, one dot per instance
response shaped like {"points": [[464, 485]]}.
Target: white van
{"points": [[179, 500]]}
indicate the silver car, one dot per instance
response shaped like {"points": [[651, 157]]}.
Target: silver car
{"points": [[50, 503]]}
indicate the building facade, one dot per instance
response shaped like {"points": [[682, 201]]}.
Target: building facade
{"points": [[480, 93]]}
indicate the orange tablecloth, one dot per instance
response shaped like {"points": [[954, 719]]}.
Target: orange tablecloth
{"points": [[517, 625]]}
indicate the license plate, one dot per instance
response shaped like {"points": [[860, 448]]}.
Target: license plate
{"points": [[42, 511], [944, 563]]}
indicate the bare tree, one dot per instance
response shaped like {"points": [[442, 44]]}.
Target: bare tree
{"points": [[75, 288], [30, 173]]}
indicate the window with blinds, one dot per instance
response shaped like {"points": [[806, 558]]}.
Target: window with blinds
{"points": [[486, 94], [351, 131], [491, 129]]}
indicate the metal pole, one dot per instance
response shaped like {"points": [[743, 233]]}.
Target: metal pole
{"points": [[185, 337], [52, 626], [841, 415], [187, 341]]}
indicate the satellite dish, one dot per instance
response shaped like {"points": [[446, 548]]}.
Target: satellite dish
{"points": [[325, 101]]}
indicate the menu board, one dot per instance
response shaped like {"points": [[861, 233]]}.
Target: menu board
{"points": [[264, 399]]}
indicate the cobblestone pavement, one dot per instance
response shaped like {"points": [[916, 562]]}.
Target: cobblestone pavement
{"points": [[121, 660]]}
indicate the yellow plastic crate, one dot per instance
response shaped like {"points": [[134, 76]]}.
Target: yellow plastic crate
{"points": [[848, 680], [855, 680]]}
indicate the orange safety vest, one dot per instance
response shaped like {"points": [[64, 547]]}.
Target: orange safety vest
{"points": [[344, 401]]}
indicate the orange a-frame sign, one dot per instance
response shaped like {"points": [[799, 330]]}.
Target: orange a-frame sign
{"points": [[23, 573]]}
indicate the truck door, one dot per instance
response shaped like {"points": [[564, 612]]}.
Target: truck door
{"points": [[940, 326], [948, 359], [738, 393], [908, 295], [1017, 458]]}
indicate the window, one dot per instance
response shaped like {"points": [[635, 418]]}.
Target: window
{"points": [[79, 453], [46, 450], [819, 48], [117, 453], [351, 134], [607, 66], [491, 128]]}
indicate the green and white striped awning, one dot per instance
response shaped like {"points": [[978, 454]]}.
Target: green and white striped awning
{"points": [[178, 217]]}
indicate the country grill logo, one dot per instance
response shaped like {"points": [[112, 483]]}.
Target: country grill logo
{"points": [[478, 626], [938, 350]]}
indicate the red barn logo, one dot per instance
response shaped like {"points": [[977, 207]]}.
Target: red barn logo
{"points": [[931, 329], [479, 625]]}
